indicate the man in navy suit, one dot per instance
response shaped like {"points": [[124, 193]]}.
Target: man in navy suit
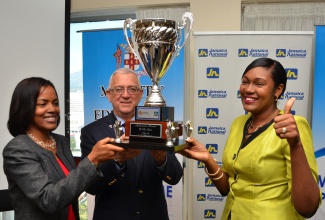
{"points": [[132, 186]]}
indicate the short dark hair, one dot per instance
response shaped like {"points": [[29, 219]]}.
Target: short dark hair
{"points": [[23, 104], [279, 75]]}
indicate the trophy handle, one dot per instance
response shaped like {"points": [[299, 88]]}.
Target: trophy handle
{"points": [[129, 22], [186, 16]]}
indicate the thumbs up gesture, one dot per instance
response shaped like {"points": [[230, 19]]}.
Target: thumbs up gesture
{"points": [[285, 125]]}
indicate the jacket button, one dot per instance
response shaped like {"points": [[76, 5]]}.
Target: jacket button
{"points": [[112, 182], [140, 191]]}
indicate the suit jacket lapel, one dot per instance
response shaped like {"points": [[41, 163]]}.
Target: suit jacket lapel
{"points": [[54, 162], [61, 152], [110, 120]]}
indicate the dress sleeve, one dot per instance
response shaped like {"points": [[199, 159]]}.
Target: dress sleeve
{"points": [[307, 142]]}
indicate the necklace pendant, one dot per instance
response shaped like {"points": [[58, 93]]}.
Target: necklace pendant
{"points": [[250, 125]]}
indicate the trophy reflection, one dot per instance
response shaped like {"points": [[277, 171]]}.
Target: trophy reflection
{"points": [[156, 43]]}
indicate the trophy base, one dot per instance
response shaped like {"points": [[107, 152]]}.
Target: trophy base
{"points": [[153, 131], [138, 144]]}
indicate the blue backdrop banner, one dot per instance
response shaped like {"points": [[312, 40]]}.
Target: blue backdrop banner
{"points": [[318, 120]]}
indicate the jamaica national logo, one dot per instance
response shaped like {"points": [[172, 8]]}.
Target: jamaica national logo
{"points": [[203, 53], [202, 93], [242, 52], [212, 72], [209, 213], [218, 52], [253, 52], [296, 95], [202, 130], [238, 94], [292, 73], [208, 182], [294, 53], [200, 164], [212, 148], [280, 52], [212, 113], [200, 197], [214, 94], [217, 130]]}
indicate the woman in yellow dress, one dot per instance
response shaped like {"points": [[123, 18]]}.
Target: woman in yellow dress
{"points": [[269, 169]]}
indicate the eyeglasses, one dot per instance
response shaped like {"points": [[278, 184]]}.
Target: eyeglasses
{"points": [[120, 90]]}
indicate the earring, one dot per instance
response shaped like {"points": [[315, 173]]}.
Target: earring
{"points": [[276, 98]]}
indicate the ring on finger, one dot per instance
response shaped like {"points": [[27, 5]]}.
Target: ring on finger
{"points": [[284, 130]]}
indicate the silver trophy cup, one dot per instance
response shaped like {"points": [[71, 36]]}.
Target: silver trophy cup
{"points": [[156, 43]]}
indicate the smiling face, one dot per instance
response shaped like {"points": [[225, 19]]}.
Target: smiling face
{"points": [[124, 104], [258, 91], [47, 112]]}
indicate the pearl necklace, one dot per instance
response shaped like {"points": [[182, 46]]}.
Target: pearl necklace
{"points": [[43, 144], [250, 125]]}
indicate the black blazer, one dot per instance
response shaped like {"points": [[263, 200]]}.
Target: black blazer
{"points": [[37, 185], [139, 193]]}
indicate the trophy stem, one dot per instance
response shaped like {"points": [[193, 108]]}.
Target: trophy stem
{"points": [[155, 98]]}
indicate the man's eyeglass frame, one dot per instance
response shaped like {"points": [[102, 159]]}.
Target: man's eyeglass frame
{"points": [[120, 90]]}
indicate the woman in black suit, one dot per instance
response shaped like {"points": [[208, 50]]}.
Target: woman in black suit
{"points": [[44, 182]]}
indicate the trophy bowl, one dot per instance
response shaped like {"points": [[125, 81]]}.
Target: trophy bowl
{"points": [[156, 42]]}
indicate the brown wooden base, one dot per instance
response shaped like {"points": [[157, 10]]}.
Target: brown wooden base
{"points": [[137, 144]]}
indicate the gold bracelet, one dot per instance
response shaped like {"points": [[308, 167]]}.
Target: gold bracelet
{"points": [[209, 174], [217, 178]]}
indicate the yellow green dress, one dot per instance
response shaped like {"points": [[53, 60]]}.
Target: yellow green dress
{"points": [[260, 172]]}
